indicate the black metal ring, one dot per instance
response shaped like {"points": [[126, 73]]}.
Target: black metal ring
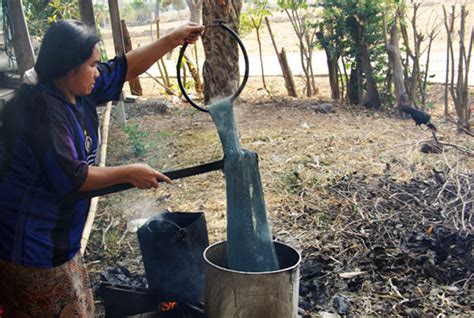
{"points": [[246, 59]]}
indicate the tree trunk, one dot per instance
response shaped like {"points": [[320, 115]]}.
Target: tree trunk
{"points": [[304, 65], [340, 79], [221, 67], [311, 73], [193, 69], [433, 34], [408, 55], [360, 80], [418, 38], [372, 98], [333, 76], [195, 8], [462, 106], [157, 9], [135, 87], [257, 30], [449, 30], [289, 81], [332, 67], [353, 86], [395, 60], [24, 54], [465, 91], [285, 69], [86, 10], [345, 81], [459, 92], [389, 75]]}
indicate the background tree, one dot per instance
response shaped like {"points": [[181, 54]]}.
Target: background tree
{"points": [[221, 67], [157, 9], [282, 59], [449, 26], [352, 30], [253, 18], [415, 72], [175, 4], [460, 89], [330, 35], [395, 61], [303, 19], [195, 8], [41, 13]]}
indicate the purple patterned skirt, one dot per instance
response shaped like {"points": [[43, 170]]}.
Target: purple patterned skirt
{"points": [[61, 291]]}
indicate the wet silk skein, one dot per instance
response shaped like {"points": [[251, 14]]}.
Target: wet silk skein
{"points": [[249, 239]]}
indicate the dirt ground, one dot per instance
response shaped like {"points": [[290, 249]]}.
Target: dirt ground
{"points": [[303, 157], [349, 189]]}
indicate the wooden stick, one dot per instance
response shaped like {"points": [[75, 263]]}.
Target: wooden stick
{"points": [[135, 86], [167, 89], [160, 63], [285, 69], [102, 157]]}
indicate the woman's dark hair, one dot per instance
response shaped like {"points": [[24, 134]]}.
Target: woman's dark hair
{"points": [[66, 45]]}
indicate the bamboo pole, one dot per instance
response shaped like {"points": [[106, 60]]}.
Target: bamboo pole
{"points": [[102, 157]]}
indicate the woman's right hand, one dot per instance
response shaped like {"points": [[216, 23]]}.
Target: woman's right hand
{"points": [[143, 176]]}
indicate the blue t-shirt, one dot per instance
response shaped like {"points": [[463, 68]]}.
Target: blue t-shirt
{"points": [[37, 228]]}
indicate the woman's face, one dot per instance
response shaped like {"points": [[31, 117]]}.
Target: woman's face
{"points": [[81, 80]]}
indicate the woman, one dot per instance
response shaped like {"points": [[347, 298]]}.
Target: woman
{"points": [[49, 147]]}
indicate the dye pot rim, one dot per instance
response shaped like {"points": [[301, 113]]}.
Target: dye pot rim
{"points": [[281, 270]]}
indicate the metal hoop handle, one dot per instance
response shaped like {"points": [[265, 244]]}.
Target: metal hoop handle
{"points": [[246, 75]]}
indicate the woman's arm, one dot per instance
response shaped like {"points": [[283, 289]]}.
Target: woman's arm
{"points": [[141, 59], [140, 175]]}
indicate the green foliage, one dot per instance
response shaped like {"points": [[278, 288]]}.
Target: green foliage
{"points": [[36, 14], [292, 183], [253, 16], [103, 51], [302, 18], [138, 5], [64, 9], [41, 13], [137, 10], [177, 4], [137, 138], [245, 24], [292, 4], [350, 21], [346, 23]]}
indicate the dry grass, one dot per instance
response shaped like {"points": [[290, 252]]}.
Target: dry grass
{"points": [[302, 154], [314, 168]]}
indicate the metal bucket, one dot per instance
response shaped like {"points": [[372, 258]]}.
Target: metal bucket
{"points": [[235, 294]]}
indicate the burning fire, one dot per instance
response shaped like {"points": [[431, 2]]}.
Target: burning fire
{"points": [[168, 306]]}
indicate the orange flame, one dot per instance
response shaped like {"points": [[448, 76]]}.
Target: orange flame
{"points": [[168, 306]]}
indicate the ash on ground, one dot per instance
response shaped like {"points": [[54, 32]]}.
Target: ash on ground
{"points": [[403, 248]]}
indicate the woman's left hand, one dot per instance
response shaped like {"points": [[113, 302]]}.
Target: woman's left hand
{"points": [[186, 33]]}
